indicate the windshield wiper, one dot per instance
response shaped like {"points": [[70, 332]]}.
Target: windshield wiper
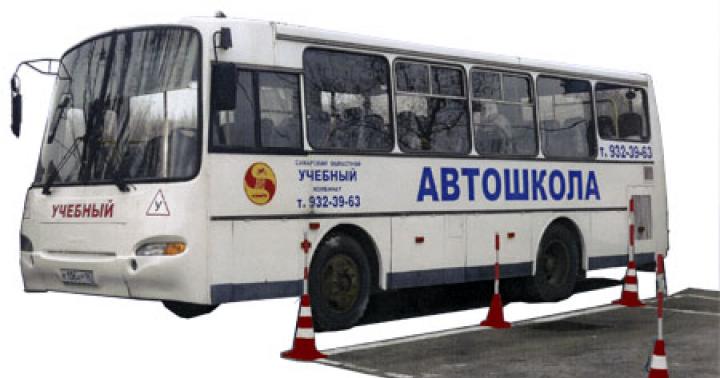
{"points": [[57, 116], [119, 179], [54, 172]]}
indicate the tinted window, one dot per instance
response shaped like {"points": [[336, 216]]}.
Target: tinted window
{"points": [[279, 110], [236, 128], [447, 81], [621, 112], [347, 101], [412, 77], [516, 88], [486, 85], [503, 115], [266, 115], [433, 120], [566, 117], [125, 106]]}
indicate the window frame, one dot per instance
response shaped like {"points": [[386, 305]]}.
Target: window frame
{"points": [[430, 65], [646, 111], [533, 104], [391, 108], [465, 97], [593, 119], [255, 70]]}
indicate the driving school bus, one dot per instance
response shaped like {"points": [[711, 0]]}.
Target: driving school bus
{"points": [[185, 163]]}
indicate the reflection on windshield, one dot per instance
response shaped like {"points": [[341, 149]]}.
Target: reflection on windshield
{"points": [[131, 109]]}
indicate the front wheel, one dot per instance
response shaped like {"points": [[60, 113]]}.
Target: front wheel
{"points": [[187, 310], [339, 283], [556, 267]]}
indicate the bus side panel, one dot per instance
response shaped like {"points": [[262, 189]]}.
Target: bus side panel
{"points": [[608, 238], [222, 267], [262, 260], [257, 259], [420, 254], [516, 245], [607, 244]]}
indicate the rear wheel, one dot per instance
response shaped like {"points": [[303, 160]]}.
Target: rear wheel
{"points": [[187, 310], [556, 267], [339, 283]]}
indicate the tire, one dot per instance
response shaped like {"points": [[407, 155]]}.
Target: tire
{"points": [[339, 283], [187, 310], [556, 267]]}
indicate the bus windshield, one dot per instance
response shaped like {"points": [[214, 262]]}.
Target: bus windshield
{"points": [[125, 107]]}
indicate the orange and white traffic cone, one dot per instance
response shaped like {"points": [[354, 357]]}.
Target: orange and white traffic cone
{"points": [[658, 360], [495, 317], [630, 296], [304, 342]]}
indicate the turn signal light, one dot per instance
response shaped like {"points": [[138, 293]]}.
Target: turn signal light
{"points": [[161, 249], [172, 249]]}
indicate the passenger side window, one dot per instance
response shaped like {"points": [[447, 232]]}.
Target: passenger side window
{"points": [[266, 115], [566, 117], [432, 111], [621, 112], [503, 115], [347, 99], [412, 77]]}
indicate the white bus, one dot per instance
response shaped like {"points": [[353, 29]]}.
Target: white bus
{"points": [[186, 163]]}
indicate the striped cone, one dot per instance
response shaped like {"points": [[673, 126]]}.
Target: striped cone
{"points": [[630, 296], [304, 343], [658, 361], [495, 317]]}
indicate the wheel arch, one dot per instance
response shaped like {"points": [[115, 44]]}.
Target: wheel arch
{"points": [[368, 245]]}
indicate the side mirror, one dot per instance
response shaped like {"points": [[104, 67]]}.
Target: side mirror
{"points": [[225, 39], [224, 86], [16, 106]]}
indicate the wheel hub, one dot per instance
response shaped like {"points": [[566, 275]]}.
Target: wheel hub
{"points": [[341, 282]]}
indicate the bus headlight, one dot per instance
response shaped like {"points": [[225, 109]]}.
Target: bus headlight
{"points": [[161, 249]]}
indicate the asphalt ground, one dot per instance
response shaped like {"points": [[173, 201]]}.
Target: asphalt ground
{"points": [[606, 341]]}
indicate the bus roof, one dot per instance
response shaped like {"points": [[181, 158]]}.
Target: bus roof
{"points": [[316, 36]]}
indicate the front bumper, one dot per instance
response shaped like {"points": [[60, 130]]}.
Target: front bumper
{"points": [[144, 277]]}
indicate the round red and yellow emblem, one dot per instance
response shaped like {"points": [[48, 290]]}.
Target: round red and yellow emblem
{"points": [[260, 183]]}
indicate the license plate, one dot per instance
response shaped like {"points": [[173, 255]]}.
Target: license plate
{"points": [[77, 277]]}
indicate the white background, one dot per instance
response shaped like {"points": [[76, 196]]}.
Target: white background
{"points": [[63, 335]]}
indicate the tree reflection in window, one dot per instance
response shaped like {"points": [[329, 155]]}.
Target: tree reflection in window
{"points": [[347, 101], [431, 118]]}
